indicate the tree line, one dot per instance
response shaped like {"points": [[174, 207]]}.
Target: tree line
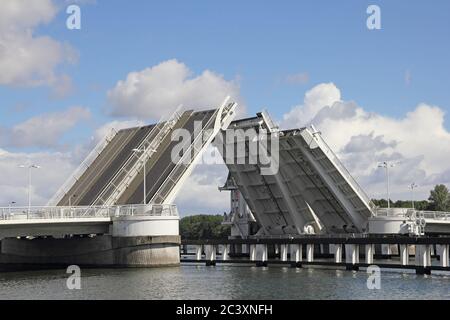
{"points": [[439, 200], [204, 227]]}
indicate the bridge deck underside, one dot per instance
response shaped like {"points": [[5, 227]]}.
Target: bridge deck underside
{"points": [[309, 189]]}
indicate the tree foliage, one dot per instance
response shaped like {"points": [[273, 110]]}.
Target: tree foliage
{"points": [[203, 227], [419, 205], [440, 198]]}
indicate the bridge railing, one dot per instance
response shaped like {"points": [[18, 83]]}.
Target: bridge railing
{"points": [[86, 212], [82, 168], [412, 213]]}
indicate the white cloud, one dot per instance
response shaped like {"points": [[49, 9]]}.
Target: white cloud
{"points": [[16, 15], [362, 139], [200, 193], [44, 130], [26, 59], [155, 92], [56, 167], [320, 96], [117, 125]]}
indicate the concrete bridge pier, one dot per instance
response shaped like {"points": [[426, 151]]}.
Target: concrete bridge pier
{"points": [[296, 255], [132, 241], [262, 255], [404, 254], [352, 256], [423, 259], [444, 255]]}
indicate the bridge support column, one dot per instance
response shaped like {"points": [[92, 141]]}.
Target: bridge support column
{"points": [[198, 252], [210, 252], [262, 253], [225, 252], [386, 249], [423, 259], [404, 254], [444, 254], [337, 253], [370, 249], [283, 252], [352, 256], [252, 252], [296, 255], [310, 252]]}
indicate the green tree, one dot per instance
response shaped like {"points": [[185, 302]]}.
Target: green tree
{"points": [[203, 227], [440, 198]]}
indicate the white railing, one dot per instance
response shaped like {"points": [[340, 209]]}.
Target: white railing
{"points": [[85, 212], [412, 214], [82, 168], [190, 154], [128, 172], [343, 170]]}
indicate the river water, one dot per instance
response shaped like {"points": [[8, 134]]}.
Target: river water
{"points": [[221, 282]]}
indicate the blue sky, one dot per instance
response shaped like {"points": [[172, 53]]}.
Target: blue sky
{"points": [[258, 44], [261, 43]]}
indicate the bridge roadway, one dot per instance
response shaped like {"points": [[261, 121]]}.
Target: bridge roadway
{"points": [[90, 185], [63, 221]]}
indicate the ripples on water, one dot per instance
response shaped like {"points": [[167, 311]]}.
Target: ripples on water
{"points": [[221, 282]]}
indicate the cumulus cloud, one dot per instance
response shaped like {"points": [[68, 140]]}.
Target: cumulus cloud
{"points": [[200, 193], [157, 91], [322, 95], [55, 167], [44, 130], [418, 141], [26, 59]]}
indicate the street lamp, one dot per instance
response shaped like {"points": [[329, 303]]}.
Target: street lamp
{"points": [[144, 151], [10, 206], [70, 198], [29, 167], [387, 165], [412, 186]]}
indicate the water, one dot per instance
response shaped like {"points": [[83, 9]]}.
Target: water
{"points": [[221, 282]]}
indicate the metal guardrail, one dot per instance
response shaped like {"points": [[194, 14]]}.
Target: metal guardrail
{"points": [[126, 174], [190, 154], [343, 170], [55, 213], [87, 162], [412, 213]]}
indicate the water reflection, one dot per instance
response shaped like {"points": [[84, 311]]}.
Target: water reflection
{"points": [[221, 282]]}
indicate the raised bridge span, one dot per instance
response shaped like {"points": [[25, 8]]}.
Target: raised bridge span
{"points": [[311, 191], [101, 215], [112, 173]]}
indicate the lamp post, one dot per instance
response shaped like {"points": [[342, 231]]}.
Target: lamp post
{"points": [[70, 199], [10, 205], [387, 165], [412, 186], [29, 167]]}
